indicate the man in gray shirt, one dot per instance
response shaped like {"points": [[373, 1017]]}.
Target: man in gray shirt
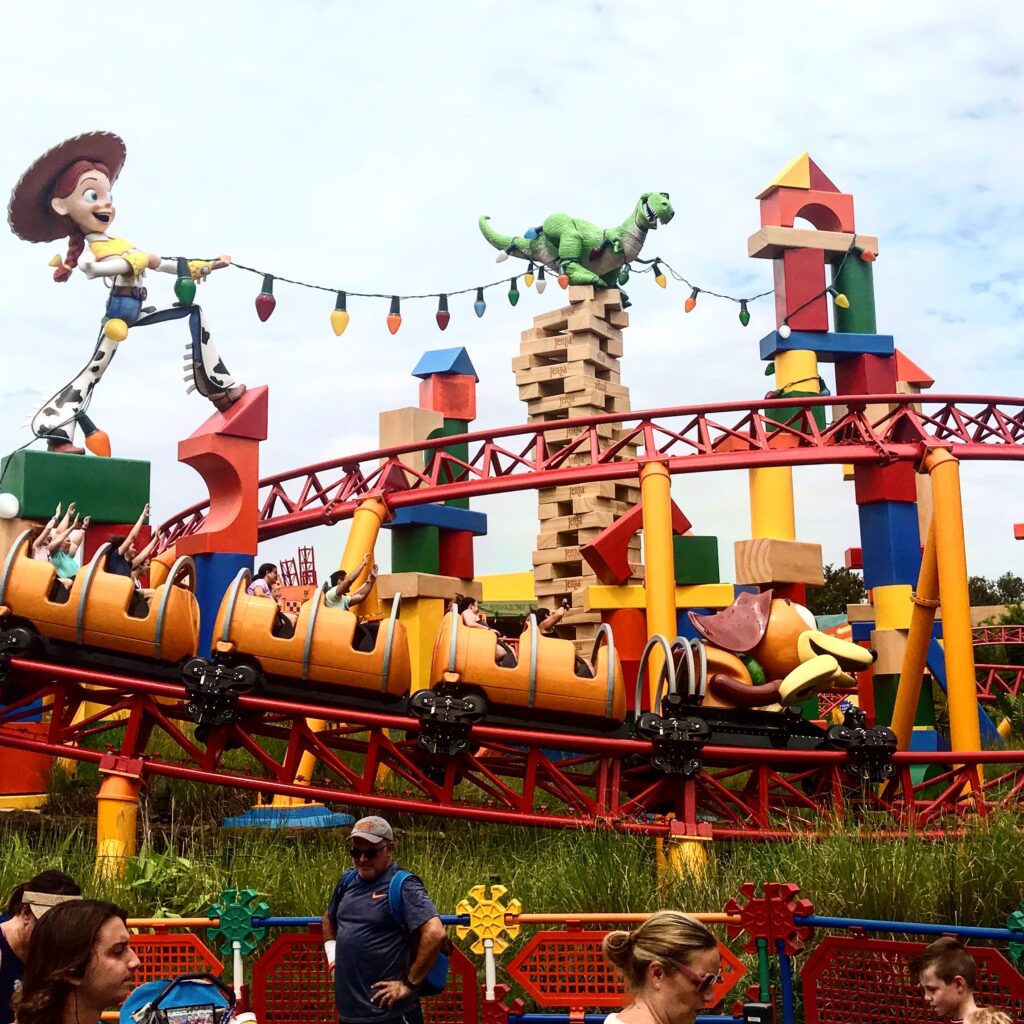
{"points": [[378, 964]]}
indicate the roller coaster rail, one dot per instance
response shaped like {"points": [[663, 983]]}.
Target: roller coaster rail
{"points": [[371, 759], [691, 439]]}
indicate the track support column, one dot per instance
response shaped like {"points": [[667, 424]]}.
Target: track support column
{"points": [[659, 562]]}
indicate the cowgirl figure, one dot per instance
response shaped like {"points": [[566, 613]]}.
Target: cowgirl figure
{"points": [[66, 194]]}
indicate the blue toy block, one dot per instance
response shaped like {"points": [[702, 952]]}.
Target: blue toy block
{"points": [[307, 816], [684, 627], [215, 571], [891, 543], [445, 361], [446, 517], [928, 740], [936, 662], [861, 632], [829, 346]]}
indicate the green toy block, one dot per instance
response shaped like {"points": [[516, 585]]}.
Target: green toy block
{"points": [[450, 428], [696, 560], [108, 490], [415, 549], [786, 414]]}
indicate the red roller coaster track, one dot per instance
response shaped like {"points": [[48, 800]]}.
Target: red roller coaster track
{"points": [[370, 759], [693, 439]]}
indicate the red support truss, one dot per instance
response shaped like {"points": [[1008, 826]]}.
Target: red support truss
{"points": [[513, 776], [692, 439]]}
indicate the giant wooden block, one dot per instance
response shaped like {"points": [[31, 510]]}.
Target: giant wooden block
{"points": [[708, 595], [417, 584], [452, 394], [897, 482], [768, 560], [866, 375], [696, 559], [827, 211], [404, 426], [455, 554], [109, 490], [799, 290], [890, 645], [772, 241]]}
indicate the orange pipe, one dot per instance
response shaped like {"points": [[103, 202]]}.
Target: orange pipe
{"points": [[514, 919]]}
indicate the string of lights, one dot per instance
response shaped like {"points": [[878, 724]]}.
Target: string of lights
{"points": [[534, 276]]}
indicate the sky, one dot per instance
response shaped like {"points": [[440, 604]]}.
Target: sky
{"points": [[354, 146]]}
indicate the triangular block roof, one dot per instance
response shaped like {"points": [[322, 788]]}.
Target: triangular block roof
{"points": [[910, 373], [803, 173], [445, 361]]}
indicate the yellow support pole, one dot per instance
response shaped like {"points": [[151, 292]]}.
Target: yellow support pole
{"points": [[117, 807], [915, 654], [961, 686], [772, 513], [659, 562], [362, 537]]}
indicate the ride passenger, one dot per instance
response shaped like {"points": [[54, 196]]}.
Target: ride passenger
{"points": [[63, 557], [52, 535], [670, 964], [546, 623], [469, 611], [948, 977], [122, 554], [267, 583], [337, 594]]}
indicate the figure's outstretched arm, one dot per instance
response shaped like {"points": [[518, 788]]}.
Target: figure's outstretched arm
{"points": [[59, 534], [346, 581], [147, 552], [361, 594], [78, 537]]}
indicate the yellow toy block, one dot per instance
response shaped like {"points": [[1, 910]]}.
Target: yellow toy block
{"points": [[702, 595]]}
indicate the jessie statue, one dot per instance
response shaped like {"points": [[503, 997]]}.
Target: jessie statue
{"points": [[66, 194]]}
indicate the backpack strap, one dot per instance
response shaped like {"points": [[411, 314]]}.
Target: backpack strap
{"points": [[339, 890], [395, 895]]}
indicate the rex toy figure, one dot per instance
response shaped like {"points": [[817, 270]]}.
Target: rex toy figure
{"points": [[585, 253]]}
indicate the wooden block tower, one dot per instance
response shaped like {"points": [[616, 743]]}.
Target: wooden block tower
{"points": [[567, 368]]}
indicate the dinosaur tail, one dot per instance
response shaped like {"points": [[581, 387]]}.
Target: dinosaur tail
{"points": [[518, 246]]}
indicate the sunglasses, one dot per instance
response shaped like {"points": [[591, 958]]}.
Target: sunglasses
{"points": [[704, 983], [363, 854]]}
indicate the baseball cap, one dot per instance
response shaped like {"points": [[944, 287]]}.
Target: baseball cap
{"points": [[373, 829]]}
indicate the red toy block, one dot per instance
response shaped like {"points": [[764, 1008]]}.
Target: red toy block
{"points": [[827, 211], [795, 592], [246, 418], [866, 375], [910, 373], [608, 553], [885, 483], [819, 180], [799, 276], [455, 554], [230, 468], [1018, 531], [853, 558], [99, 533], [452, 394], [629, 628]]}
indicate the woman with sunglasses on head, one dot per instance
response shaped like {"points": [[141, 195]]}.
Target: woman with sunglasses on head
{"points": [[670, 964]]}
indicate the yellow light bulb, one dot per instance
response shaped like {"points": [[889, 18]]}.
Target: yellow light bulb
{"points": [[528, 279], [339, 321], [842, 301], [660, 280]]}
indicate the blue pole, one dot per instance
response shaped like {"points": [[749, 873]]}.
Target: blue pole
{"points": [[305, 922], [786, 982], [909, 927]]}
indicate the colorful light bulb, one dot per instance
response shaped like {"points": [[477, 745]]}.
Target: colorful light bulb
{"points": [[744, 313], [541, 282], [598, 250], [624, 274], [395, 315], [839, 298], [501, 257], [184, 286], [563, 280], [479, 306], [868, 256], [531, 233], [659, 278], [442, 316], [513, 292], [265, 301], [528, 277], [339, 315], [691, 303], [785, 330]]}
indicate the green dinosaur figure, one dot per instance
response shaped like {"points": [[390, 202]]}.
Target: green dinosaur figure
{"points": [[583, 251]]}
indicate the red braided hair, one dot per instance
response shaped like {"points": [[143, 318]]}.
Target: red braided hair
{"points": [[62, 188]]}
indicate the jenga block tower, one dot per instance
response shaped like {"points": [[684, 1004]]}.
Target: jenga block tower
{"points": [[567, 368]]}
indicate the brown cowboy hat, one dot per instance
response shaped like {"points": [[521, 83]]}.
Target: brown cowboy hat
{"points": [[29, 212]]}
